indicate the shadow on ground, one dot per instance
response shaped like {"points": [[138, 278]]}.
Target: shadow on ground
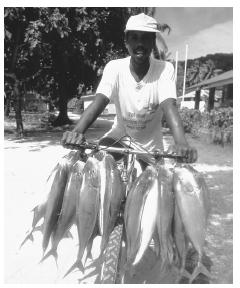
{"points": [[37, 139]]}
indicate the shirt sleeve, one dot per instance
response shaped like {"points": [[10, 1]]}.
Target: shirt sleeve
{"points": [[166, 84], [108, 83]]}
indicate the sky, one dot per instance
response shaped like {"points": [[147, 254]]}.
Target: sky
{"points": [[206, 30]]}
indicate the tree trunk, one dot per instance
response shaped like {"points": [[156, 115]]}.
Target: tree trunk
{"points": [[16, 92], [197, 99], [211, 99], [62, 118], [7, 103], [18, 109]]}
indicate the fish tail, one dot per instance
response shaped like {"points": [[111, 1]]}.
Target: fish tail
{"points": [[89, 256], [45, 244], [103, 245], [167, 255], [170, 252], [200, 268], [156, 250], [52, 252], [165, 266], [78, 264], [28, 237]]}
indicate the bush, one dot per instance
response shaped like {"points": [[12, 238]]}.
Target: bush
{"points": [[219, 122], [189, 118]]}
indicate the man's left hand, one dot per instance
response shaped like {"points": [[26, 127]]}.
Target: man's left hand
{"points": [[188, 153]]}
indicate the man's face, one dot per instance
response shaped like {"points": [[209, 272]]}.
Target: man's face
{"points": [[140, 45]]}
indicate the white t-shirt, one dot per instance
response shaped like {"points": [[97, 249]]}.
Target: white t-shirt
{"points": [[138, 113]]}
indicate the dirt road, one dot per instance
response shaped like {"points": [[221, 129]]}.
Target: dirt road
{"points": [[28, 163]]}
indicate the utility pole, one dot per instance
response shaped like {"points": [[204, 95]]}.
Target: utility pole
{"points": [[176, 66], [185, 71]]}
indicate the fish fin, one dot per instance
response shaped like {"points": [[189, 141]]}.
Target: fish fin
{"points": [[199, 269], [33, 210], [78, 264], [52, 252], [38, 228], [28, 237], [185, 273], [68, 234], [182, 273]]}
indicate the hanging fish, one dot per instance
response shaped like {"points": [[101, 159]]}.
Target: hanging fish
{"points": [[88, 201], [193, 202], [165, 215], [140, 215], [68, 210], [111, 197]]}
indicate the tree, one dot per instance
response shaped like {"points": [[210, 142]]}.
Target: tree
{"points": [[62, 49], [198, 72], [14, 23]]}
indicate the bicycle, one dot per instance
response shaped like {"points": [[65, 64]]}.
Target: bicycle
{"points": [[112, 256]]}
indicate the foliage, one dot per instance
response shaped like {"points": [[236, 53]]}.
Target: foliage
{"points": [[189, 117], [219, 123], [60, 52], [203, 68]]}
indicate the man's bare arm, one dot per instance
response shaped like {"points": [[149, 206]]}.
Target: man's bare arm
{"points": [[91, 113], [175, 123], [76, 136]]}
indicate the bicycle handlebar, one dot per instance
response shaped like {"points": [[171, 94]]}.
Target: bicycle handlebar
{"points": [[96, 147]]}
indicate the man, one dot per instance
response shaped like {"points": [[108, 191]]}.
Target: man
{"points": [[142, 89]]}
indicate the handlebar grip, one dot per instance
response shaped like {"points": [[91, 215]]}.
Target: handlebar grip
{"points": [[84, 145]]}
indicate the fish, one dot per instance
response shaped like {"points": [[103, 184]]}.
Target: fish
{"points": [[165, 215], [133, 212], [40, 209], [88, 201], [90, 242], [106, 167], [149, 214], [38, 214], [135, 215], [156, 241], [54, 201], [68, 210], [111, 197], [181, 243], [192, 198]]}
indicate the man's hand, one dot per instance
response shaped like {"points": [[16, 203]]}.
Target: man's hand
{"points": [[71, 137], [189, 153]]}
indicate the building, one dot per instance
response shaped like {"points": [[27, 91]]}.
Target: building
{"points": [[110, 109], [222, 82]]}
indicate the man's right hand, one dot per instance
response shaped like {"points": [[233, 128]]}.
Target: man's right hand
{"points": [[70, 138]]}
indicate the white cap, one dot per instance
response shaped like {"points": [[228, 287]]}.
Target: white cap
{"points": [[142, 22]]}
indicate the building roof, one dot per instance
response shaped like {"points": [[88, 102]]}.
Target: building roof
{"points": [[217, 81]]}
